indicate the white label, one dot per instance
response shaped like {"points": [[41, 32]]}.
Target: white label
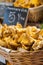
{"points": [[2, 59]]}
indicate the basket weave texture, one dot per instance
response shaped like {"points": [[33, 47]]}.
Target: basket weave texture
{"points": [[27, 58], [24, 58]]}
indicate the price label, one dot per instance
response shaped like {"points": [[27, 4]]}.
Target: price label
{"points": [[2, 59], [14, 15]]}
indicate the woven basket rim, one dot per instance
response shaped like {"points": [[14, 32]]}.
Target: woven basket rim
{"points": [[18, 50], [36, 7]]}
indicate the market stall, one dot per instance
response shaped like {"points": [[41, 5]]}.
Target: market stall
{"points": [[21, 32]]}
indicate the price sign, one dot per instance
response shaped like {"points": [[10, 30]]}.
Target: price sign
{"points": [[14, 15]]}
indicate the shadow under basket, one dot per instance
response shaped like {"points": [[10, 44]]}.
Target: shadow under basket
{"points": [[24, 58]]}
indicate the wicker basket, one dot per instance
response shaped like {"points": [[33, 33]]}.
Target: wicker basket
{"points": [[24, 58], [36, 14]]}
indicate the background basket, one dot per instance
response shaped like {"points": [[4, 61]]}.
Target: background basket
{"points": [[24, 58], [36, 14]]}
